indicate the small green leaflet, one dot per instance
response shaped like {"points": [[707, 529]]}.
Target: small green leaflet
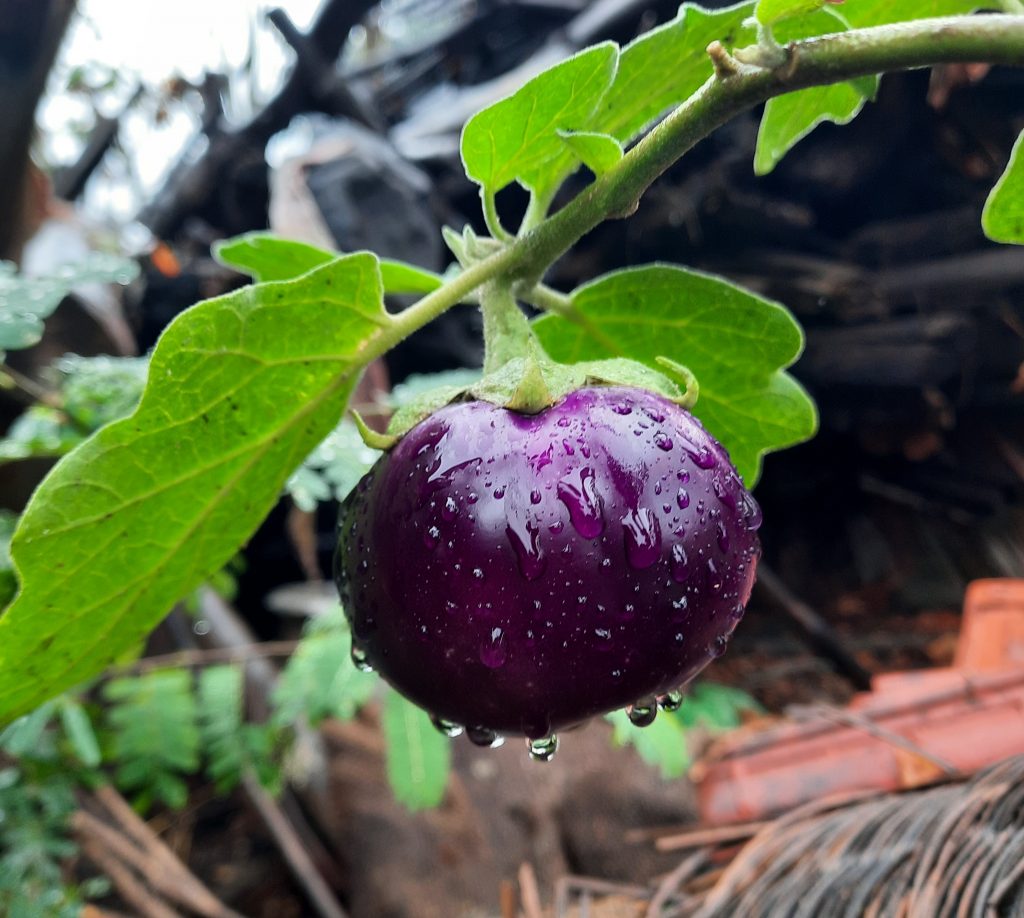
{"points": [[240, 389], [598, 152], [26, 301], [1003, 216], [666, 65], [266, 257], [736, 343], [662, 743], [788, 119], [418, 755], [769, 12], [517, 138]]}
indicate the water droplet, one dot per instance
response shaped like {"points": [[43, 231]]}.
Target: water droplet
{"points": [[583, 503], [718, 646], [472, 497], [499, 493], [680, 564], [683, 475], [539, 460], [657, 487], [680, 606], [567, 446], [525, 540], [478, 573], [662, 441], [724, 494], [622, 408], [493, 652], [482, 736], [703, 457], [359, 660], [543, 749], [605, 636], [670, 701], [557, 526], [450, 509], [643, 538], [723, 537], [751, 511], [714, 575], [430, 537], [683, 498], [563, 422], [654, 415], [448, 727], [642, 713]]}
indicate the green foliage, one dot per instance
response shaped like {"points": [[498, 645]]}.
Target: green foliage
{"points": [[332, 469], [154, 736], [91, 392], [663, 743], [788, 119], [36, 803], [736, 343], [418, 756], [26, 301], [231, 746], [665, 66], [598, 152], [769, 12], [241, 389], [517, 138], [1003, 217], [8, 578]]}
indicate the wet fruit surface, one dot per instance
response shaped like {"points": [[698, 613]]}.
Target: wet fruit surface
{"points": [[520, 573]]}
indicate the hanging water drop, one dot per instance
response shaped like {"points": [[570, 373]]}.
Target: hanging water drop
{"points": [[359, 659], [642, 713], [583, 503], [448, 727], [481, 736], [670, 701], [543, 749]]}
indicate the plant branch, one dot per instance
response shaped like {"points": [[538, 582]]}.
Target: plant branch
{"points": [[997, 39]]}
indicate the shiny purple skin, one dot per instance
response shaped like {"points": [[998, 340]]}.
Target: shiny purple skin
{"points": [[523, 573]]}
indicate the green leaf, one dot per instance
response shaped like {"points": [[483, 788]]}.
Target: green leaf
{"points": [[220, 695], [266, 257], [8, 579], [662, 743], [736, 343], [22, 737], [665, 66], [332, 469], [789, 118], [863, 13], [26, 301], [517, 138], [715, 707], [769, 12], [154, 734], [418, 755], [78, 729], [599, 152], [241, 388], [1003, 216]]}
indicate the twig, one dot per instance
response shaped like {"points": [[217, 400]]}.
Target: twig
{"points": [[820, 634], [698, 838], [669, 887], [298, 859], [529, 892], [206, 656], [130, 889]]}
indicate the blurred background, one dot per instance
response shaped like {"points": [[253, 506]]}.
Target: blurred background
{"points": [[134, 136]]}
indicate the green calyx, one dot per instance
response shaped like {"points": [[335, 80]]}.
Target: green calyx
{"points": [[518, 373]]}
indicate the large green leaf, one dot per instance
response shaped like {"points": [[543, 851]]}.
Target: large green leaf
{"points": [[418, 756], [240, 389], [518, 138], [266, 257], [735, 342], [666, 65], [1003, 216], [788, 119], [769, 12]]}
